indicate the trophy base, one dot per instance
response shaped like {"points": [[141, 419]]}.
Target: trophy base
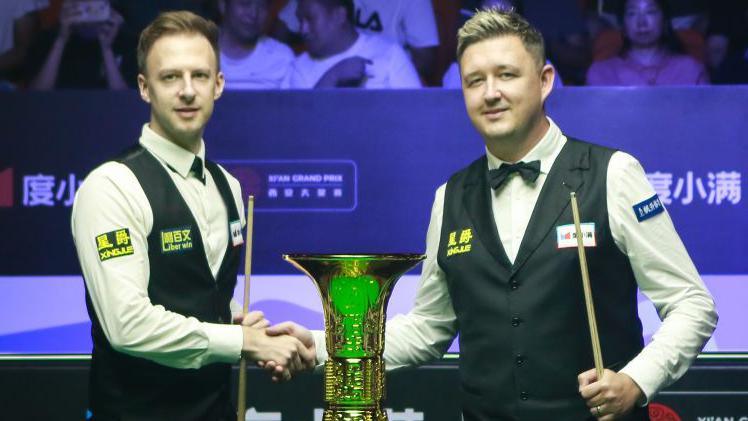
{"points": [[354, 415]]}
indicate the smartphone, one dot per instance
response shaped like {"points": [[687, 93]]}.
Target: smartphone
{"points": [[87, 11]]}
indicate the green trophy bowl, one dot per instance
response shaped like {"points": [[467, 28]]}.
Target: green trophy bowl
{"points": [[355, 290]]}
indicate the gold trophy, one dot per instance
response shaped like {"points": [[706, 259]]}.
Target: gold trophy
{"points": [[355, 290]]}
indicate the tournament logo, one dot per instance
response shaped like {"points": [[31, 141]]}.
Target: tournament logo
{"points": [[660, 412], [325, 185]]}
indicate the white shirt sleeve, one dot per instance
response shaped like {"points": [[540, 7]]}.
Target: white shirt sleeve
{"points": [[664, 273], [111, 199], [425, 333], [401, 72], [419, 24]]}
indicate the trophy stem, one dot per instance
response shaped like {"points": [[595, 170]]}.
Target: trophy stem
{"points": [[354, 290]]}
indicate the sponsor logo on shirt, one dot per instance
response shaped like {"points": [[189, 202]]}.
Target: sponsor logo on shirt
{"points": [[175, 240], [648, 208], [459, 244], [566, 235], [114, 244], [235, 229]]}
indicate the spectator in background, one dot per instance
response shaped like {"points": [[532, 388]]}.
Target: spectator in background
{"points": [[81, 54], [410, 23], [564, 29], [340, 56], [651, 53], [17, 26], [688, 20], [138, 14], [727, 42], [250, 60], [451, 79]]}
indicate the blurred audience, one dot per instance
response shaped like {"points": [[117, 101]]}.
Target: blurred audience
{"points": [[651, 53], [451, 78], [410, 23], [18, 22], [82, 53], [90, 44], [564, 30], [339, 55], [249, 59], [727, 42], [689, 19], [566, 36]]}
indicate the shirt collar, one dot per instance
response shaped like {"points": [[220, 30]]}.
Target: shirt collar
{"points": [[174, 156], [545, 150]]}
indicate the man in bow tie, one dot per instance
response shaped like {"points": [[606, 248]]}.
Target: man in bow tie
{"points": [[502, 267]]}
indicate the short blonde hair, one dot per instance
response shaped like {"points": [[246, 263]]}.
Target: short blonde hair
{"points": [[498, 22], [171, 23]]}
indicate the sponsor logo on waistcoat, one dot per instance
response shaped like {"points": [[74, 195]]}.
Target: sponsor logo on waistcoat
{"points": [[176, 240], [461, 243]]}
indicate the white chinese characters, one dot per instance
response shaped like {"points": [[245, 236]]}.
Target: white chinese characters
{"points": [[716, 188], [47, 190]]}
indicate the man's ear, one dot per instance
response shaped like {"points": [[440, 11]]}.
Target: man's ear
{"points": [[220, 84], [547, 76], [143, 88]]}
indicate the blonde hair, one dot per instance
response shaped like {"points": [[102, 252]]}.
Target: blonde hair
{"points": [[171, 23], [498, 22]]}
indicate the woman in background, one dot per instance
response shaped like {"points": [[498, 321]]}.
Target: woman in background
{"points": [[651, 53]]}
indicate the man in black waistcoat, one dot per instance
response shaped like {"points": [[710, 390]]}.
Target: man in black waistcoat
{"points": [[158, 232], [502, 267]]}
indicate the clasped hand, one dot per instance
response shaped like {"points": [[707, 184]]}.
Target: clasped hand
{"points": [[282, 350]]}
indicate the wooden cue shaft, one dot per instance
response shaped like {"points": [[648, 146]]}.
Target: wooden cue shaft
{"points": [[596, 350], [241, 407]]}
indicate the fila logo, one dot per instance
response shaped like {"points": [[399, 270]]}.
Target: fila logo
{"points": [[374, 23]]}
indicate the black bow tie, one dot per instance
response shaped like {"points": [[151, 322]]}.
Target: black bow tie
{"points": [[197, 169], [528, 170]]}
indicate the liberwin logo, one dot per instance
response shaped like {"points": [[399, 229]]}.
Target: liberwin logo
{"points": [[6, 188]]}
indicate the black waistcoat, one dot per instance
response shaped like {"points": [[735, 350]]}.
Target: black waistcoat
{"points": [[524, 334], [123, 387]]}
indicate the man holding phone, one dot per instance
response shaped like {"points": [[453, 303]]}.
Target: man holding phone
{"points": [[83, 53]]}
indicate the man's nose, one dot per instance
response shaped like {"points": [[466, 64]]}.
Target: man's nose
{"points": [[187, 92], [492, 90]]}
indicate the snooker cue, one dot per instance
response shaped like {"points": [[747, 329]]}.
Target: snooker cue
{"points": [[596, 351], [242, 394]]}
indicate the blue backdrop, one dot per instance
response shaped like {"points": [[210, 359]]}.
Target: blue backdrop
{"points": [[355, 171]]}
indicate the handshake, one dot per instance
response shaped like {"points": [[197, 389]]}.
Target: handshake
{"points": [[282, 349]]}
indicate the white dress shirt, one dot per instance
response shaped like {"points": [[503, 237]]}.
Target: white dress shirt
{"points": [[111, 198], [662, 268]]}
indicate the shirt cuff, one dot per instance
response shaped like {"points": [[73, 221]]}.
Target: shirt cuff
{"points": [[646, 375], [320, 346], [224, 342]]}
